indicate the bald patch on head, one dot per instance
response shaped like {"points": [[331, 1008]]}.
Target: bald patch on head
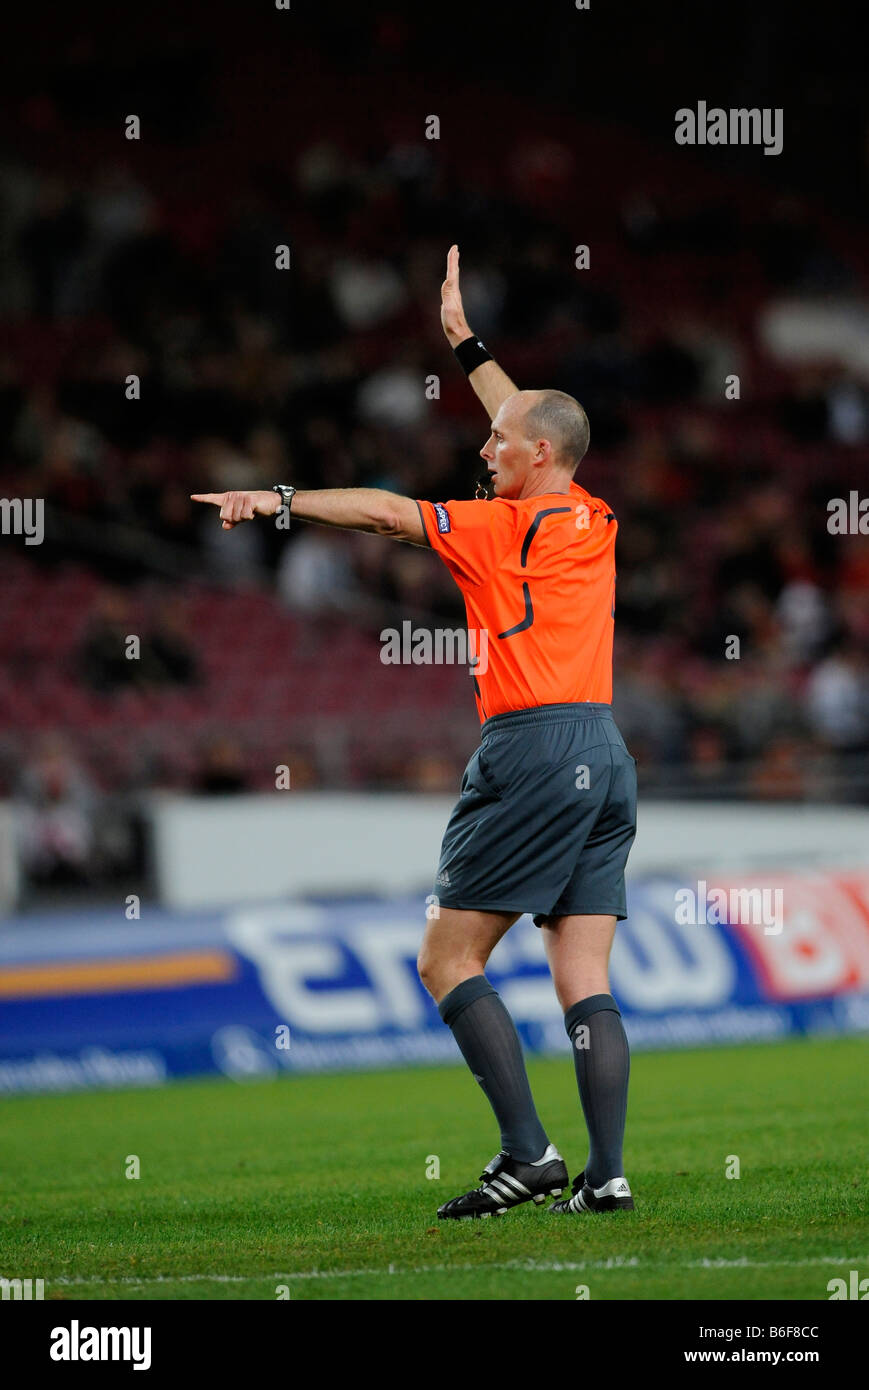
{"points": [[520, 403], [558, 417]]}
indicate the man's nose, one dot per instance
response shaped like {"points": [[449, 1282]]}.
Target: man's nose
{"points": [[486, 452]]}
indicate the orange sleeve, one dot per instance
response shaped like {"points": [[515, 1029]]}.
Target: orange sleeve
{"points": [[470, 537]]}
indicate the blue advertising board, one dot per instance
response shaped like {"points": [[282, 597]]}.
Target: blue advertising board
{"points": [[97, 1000]]}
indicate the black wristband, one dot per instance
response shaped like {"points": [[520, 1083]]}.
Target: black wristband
{"points": [[471, 354]]}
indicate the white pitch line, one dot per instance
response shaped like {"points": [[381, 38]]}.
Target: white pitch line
{"points": [[514, 1266]]}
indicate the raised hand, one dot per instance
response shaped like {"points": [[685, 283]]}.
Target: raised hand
{"points": [[240, 506], [455, 325]]}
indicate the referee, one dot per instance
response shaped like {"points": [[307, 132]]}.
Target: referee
{"points": [[547, 811]]}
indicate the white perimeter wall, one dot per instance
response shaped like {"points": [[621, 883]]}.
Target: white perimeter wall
{"points": [[210, 852], [9, 875]]}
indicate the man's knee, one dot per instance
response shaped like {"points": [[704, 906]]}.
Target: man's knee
{"points": [[440, 973], [440, 970], [457, 946]]}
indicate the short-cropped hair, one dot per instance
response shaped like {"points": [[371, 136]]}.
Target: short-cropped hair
{"points": [[560, 419]]}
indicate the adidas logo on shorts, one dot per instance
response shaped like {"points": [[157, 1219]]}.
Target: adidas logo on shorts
{"points": [[443, 878]]}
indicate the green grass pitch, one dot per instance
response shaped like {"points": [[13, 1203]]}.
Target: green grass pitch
{"points": [[318, 1184]]}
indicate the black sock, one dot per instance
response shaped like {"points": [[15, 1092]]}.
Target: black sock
{"points": [[490, 1045], [603, 1064]]}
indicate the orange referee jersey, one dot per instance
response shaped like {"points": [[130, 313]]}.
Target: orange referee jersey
{"points": [[538, 580]]}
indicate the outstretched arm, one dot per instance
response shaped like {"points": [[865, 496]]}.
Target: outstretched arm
{"points": [[352, 508], [490, 381]]}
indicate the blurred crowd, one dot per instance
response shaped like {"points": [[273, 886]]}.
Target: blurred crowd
{"points": [[334, 373]]}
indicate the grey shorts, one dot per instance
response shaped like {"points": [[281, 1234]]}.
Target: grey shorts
{"points": [[546, 817]]}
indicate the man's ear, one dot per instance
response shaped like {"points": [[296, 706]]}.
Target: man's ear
{"points": [[544, 452]]}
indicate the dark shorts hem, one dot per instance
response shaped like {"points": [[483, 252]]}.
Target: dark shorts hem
{"points": [[482, 907], [583, 911], [535, 912]]}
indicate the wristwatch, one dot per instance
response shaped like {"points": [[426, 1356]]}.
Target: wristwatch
{"points": [[287, 493]]}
